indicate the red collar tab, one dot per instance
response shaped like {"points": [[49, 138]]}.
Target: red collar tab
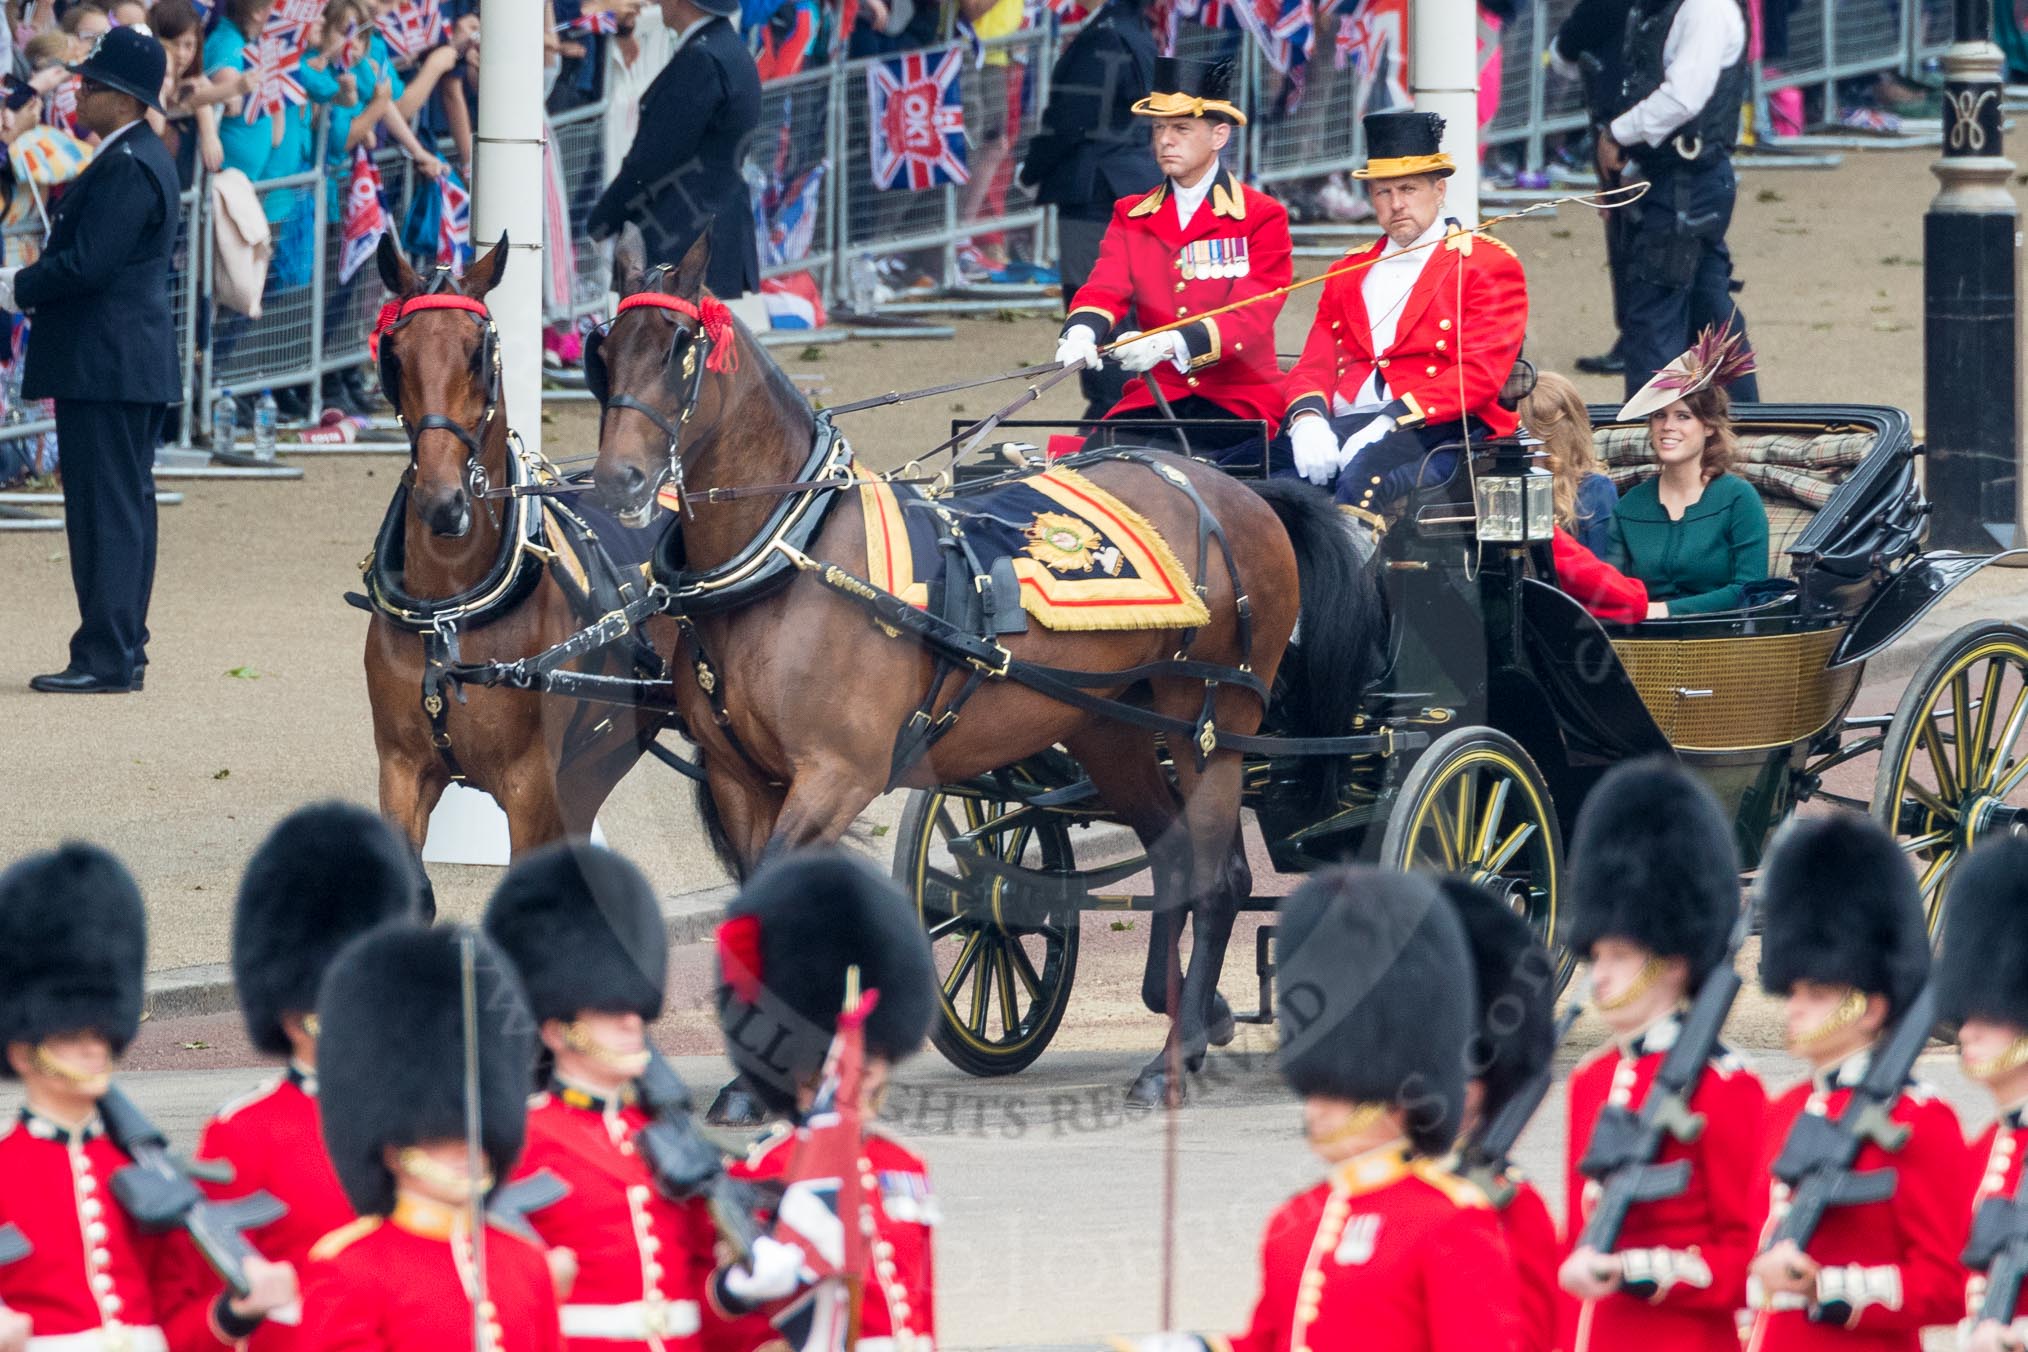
{"points": [[710, 314], [395, 311]]}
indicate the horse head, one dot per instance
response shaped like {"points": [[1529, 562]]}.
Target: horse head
{"points": [[439, 359]]}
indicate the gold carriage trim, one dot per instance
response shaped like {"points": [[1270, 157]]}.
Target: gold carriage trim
{"points": [[1739, 694]]}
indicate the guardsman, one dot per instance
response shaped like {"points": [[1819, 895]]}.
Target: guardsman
{"points": [[324, 876], [1982, 986], [1843, 942], [1654, 885], [581, 926], [73, 947], [1392, 1251], [1202, 239], [1513, 1037], [391, 1063], [784, 952], [1410, 351]]}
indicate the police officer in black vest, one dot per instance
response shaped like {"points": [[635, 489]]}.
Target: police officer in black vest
{"points": [[102, 345], [684, 172], [1683, 77]]}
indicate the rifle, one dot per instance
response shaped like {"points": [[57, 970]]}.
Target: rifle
{"points": [[1485, 1157], [513, 1203], [14, 1245], [160, 1194], [1816, 1160], [1999, 1248], [1624, 1143], [685, 1166]]}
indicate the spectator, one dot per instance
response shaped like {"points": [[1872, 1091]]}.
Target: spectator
{"points": [[986, 117], [84, 24], [634, 58], [1587, 48], [188, 123], [127, 13]]}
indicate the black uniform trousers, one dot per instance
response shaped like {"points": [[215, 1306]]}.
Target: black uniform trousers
{"points": [[1394, 466], [108, 461], [1677, 277]]}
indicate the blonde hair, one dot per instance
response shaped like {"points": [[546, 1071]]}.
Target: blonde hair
{"points": [[47, 49], [1555, 411]]}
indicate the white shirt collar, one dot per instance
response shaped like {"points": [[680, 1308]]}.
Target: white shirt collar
{"points": [[690, 32], [116, 134], [1435, 232], [1189, 199]]}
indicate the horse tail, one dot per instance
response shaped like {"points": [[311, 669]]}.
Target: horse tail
{"points": [[1342, 618], [714, 827]]}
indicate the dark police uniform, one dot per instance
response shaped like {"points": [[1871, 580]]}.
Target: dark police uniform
{"points": [[684, 170], [103, 346]]}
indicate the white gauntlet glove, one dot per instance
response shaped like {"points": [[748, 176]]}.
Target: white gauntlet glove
{"points": [[1078, 347], [1139, 354], [1315, 447], [774, 1273]]}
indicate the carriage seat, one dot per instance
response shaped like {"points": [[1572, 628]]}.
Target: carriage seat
{"points": [[1795, 472]]}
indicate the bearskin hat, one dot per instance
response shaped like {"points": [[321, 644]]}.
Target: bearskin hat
{"points": [[1374, 998], [582, 927], [1514, 1026], [391, 1054], [325, 875], [1653, 862], [783, 951], [1838, 904], [73, 948], [1982, 970]]}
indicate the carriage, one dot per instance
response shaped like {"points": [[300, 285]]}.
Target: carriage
{"points": [[1504, 702]]}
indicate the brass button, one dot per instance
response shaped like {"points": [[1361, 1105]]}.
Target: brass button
{"points": [[1440, 345], [1179, 286], [1193, 382], [1429, 370], [1239, 347], [1334, 326], [1444, 324], [1182, 310], [1382, 363]]}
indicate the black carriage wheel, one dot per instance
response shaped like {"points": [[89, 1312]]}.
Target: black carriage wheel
{"points": [[1951, 768], [1005, 987], [1475, 804]]}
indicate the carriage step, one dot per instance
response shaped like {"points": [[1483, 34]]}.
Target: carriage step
{"points": [[1264, 968]]}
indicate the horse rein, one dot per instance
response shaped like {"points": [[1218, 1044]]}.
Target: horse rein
{"points": [[396, 313], [712, 347]]}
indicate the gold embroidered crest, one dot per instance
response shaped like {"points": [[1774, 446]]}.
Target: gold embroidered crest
{"points": [[1061, 542]]}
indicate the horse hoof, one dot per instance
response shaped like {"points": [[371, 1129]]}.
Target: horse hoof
{"points": [[1150, 1088], [1224, 1027], [736, 1106]]}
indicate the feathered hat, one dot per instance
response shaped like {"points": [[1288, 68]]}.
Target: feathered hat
{"points": [[582, 927], [1403, 143], [73, 948], [1514, 1026], [1839, 905], [1374, 996], [326, 874], [783, 952], [1192, 89], [1718, 357], [1982, 970], [1653, 861], [391, 1055]]}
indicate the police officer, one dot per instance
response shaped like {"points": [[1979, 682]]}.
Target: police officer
{"points": [[102, 345], [1684, 74], [1092, 151], [1200, 240], [684, 173]]}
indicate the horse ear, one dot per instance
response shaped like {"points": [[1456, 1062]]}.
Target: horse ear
{"points": [[690, 272], [395, 273], [630, 259], [486, 271]]}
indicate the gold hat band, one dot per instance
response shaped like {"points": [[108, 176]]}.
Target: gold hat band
{"points": [[1405, 165], [1186, 105]]}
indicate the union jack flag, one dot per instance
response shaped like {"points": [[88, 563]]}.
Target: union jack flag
{"points": [[602, 22], [274, 58], [454, 223], [917, 120], [1283, 28], [1373, 38], [559, 254], [61, 111], [365, 219], [413, 27]]}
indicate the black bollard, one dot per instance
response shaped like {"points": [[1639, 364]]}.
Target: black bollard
{"points": [[1971, 326]]}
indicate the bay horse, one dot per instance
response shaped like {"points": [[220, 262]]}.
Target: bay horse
{"points": [[810, 697], [549, 761]]}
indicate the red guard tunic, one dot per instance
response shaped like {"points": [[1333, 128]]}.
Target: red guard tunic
{"points": [[92, 1275], [403, 1285], [1533, 1245], [1455, 339], [1708, 1234], [1994, 1171], [1389, 1254], [1895, 1261], [1235, 246], [642, 1260], [899, 1309]]}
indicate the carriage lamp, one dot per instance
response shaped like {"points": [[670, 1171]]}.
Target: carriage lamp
{"points": [[1516, 499]]}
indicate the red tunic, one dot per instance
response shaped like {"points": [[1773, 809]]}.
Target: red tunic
{"points": [[379, 1286], [642, 1260], [1994, 1170], [900, 1301], [1454, 344], [91, 1267], [1389, 1254], [1717, 1219], [1907, 1245], [1596, 585], [1235, 246], [1535, 1249]]}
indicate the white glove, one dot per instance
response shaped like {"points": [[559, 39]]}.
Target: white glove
{"points": [[14, 1330], [7, 276], [1364, 437], [774, 1273], [1138, 354], [1315, 447], [1078, 347]]}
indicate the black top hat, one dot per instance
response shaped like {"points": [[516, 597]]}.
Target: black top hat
{"points": [[1839, 905], [1405, 142], [130, 60], [1192, 89]]}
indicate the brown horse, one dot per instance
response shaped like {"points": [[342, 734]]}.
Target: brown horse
{"points": [[549, 761], [814, 696]]}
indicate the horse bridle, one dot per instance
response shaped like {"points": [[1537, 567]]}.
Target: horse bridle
{"points": [[397, 313], [710, 348]]}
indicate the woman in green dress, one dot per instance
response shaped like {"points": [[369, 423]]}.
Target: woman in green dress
{"points": [[1694, 533]]}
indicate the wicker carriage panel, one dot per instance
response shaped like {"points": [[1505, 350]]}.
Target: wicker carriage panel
{"points": [[1765, 690]]}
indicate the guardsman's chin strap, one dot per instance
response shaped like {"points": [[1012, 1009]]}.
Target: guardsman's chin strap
{"points": [[91, 1082], [2013, 1057], [580, 1040]]}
